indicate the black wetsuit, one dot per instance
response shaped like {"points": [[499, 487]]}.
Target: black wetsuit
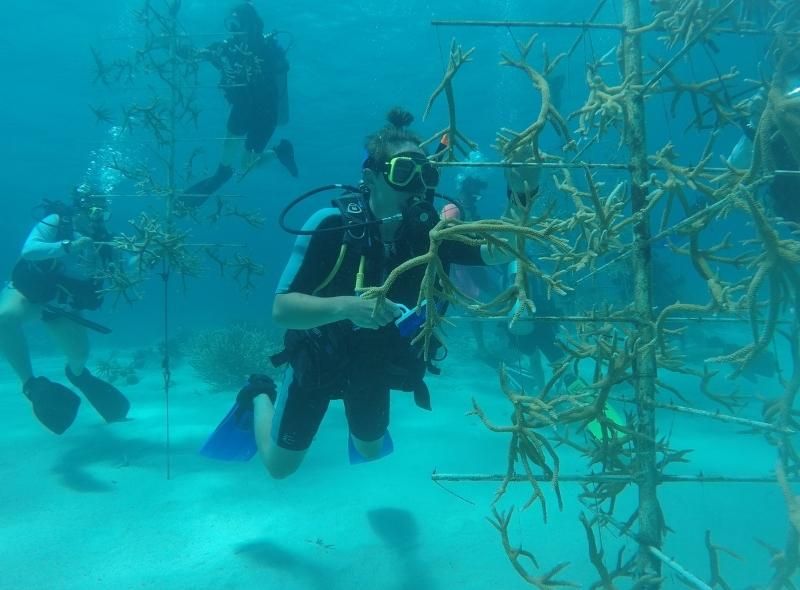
{"points": [[253, 78], [253, 75], [785, 190], [338, 361]]}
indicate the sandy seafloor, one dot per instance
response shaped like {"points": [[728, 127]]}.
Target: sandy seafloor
{"points": [[94, 509]]}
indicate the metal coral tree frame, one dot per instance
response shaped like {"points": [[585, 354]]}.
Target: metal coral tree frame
{"points": [[154, 117], [754, 284]]}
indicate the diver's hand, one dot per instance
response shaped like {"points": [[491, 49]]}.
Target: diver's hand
{"points": [[365, 313]]}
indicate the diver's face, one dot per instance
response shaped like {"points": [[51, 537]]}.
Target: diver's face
{"points": [[386, 199], [92, 215]]}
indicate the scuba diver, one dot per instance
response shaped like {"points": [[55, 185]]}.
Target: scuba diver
{"points": [[771, 136], [474, 281], [54, 280], [253, 75], [525, 337], [339, 345]]}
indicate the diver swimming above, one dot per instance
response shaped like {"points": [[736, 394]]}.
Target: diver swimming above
{"points": [[253, 76], [339, 345], [54, 280]]}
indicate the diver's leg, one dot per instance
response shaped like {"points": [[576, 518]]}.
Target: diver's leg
{"points": [[15, 309], [284, 431], [279, 462], [54, 405], [73, 340], [260, 130], [478, 336], [368, 419], [369, 449], [232, 146], [199, 192], [260, 125], [252, 160]]}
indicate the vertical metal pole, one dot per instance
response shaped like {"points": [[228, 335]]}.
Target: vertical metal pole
{"points": [[173, 109], [171, 191], [650, 520]]}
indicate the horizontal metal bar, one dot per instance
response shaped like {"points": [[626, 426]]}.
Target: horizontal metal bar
{"points": [[192, 244], [588, 25], [181, 36], [152, 196], [528, 24], [543, 319], [166, 89], [713, 416], [590, 165], [123, 142], [600, 478], [556, 165], [580, 319]]}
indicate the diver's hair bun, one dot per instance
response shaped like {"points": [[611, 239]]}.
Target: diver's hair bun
{"points": [[400, 118]]}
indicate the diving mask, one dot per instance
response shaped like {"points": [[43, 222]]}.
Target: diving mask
{"points": [[410, 172], [96, 208], [233, 24]]}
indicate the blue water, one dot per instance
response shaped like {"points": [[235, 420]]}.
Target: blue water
{"points": [[93, 509]]}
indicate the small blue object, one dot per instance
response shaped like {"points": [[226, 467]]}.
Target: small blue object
{"points": [[357, 458], [233, 439], [412, 319]]}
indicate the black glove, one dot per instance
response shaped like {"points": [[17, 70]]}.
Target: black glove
{"points": [[257, 384]]}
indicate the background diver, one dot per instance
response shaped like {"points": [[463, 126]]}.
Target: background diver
{"points": [[54, 280], [253, 76]]}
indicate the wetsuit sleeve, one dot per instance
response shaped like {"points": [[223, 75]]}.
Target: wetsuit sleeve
{"points": [[43, 242], [313, 257], [458, 253]]}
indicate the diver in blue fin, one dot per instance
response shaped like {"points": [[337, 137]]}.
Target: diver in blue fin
{"points": [[234, 438], [340, 346]]}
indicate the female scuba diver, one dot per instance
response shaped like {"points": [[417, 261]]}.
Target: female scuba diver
{"points": [[339, 345], [54, 280], [253, 75]]}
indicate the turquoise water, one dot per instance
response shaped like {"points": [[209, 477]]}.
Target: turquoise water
{"points": [[95, 508]]}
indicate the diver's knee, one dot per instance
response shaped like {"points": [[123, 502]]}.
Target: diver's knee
{"points": [[278, 470], [281, 463], [279, 473], [10, 322]]}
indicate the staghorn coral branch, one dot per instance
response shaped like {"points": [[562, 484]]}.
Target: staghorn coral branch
{"points": [[546, 581]]}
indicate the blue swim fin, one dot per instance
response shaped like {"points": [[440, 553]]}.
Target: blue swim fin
{"points": [[357, 458], [233, 439]]}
